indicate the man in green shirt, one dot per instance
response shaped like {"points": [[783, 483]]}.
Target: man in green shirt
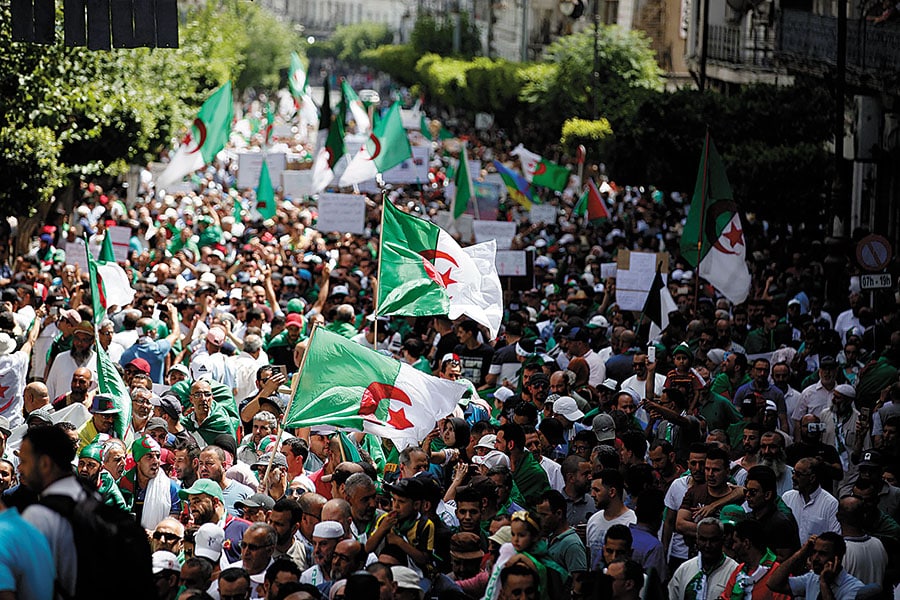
{"points": [[528, 475], [343, 321], [734, 375]]}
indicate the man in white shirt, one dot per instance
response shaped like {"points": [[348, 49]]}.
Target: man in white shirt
{"points": [[815, 510], [704, 576], [59, 380], [608, 490], [579, 346]]}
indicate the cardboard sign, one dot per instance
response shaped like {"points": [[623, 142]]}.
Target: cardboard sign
{"points": [[414, 170], [120, 237], [608, 270], [76, 254], [634, 276], [297, 184], [511, 263], [502, 231], [344, 213], [250, 166], [544, 213]]}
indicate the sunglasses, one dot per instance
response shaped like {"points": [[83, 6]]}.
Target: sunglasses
{"points": [[166, 536]]}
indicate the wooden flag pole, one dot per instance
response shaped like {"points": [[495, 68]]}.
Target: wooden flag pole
{"points": [[702, 221]]}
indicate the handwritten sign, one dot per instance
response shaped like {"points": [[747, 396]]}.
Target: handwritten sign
{"points": [[250, 166], [608, 270], [502, 231], [76, 254], [511, 263], [297, 184], [544, 213], [413, 170], [120, 237], [634, 276], [345, 213]]}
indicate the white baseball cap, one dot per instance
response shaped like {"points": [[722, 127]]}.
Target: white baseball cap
{"points": [[208, 541], [568, 408], [163, 560]]}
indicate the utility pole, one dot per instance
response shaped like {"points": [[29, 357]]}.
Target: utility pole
{"points": [[704, 43], [838, 203], [595, 72]]}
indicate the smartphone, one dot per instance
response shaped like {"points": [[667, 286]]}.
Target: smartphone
{"points": [[651, 353], [865, 414], [282, 369]]}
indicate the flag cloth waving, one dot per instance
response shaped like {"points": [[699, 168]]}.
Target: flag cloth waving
{"points": [[207, 137], [591, 204], [328, 156], [387, 147], [351, 101], [113, 287], [297, 80], [540, 171], [468, 274], [410, 284], [465, 190], [516, 186], [265, 193], [346, 385], [109, 382], [657, 307], [713, 239]]}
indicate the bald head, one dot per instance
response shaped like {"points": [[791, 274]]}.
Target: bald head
{"points": [[338, 510], [35, 396]]}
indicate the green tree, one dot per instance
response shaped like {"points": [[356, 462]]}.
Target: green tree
{"points": [[349, 42]]}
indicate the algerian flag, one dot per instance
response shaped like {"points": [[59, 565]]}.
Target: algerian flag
{"points": [[410, 285], [424, 129], [550, 175], [347, 385], [208, 135], [527, 159], [713, 239], [327, 157], [465, 189], [387, 147], [297, 79], [109, 382], [591, 204], [468, 274], [352, 101], [113, 288], [265, 193]]}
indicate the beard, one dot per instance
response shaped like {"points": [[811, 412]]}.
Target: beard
{"points": [[776, 464], [80, 356]]}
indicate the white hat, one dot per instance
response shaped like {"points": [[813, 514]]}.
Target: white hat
{"points": [[208, 541], [164, 560], [568, 408], [328, 530], [487, 441], [598, 321], [7, 344], [492, 459], [407, 579], [503, 394], [846, 390]]}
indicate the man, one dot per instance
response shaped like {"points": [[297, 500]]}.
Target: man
{"points": [[781, 377], [212, 466], [35, 396], [359, 491], [564, 545], [168, 408], [207, 505], [264, 425], [866, 557], [607, 490], [256, 508], [760, 385], [81, 355], [870, 475], [734, 375], [103, 410], [757, 563], [349, 557], [704, 576], [751, 439], [141, 408], [840, 420], [318, 448], [627, 579], [673, 541], [279, 573], [45, 467], [210, 362], [149, 348], [580, 347], [811, 446], [576, 473], [815, 510], [646, 548], [764, 339], [518, 582], [168, 536], [780, 529], [246, 365], [772, 455], [816, 397], [311, 504], [474, 356], [342, 324], [714, 491], [78, 391], [208, 419], [528, 475], [662, 459], [827, 579], [325, 538], [139, 485], [166, 574], [187, 461], [645, 382], [285, 518], [537, 443], [234, 583], [257, 548]]}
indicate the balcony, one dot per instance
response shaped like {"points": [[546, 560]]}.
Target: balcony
{"points": [[730, 45], [808, 43]]}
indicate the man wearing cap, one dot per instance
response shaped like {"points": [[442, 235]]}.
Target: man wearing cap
{"points": [[325, 538], [810, 445], [281, 347], [166, 574], [749, 580], [465, 559], [840, 420], [579, 339], [13, 369], [256, 508], [869, 476], [566, 411], [168, 408], [79, 390], [66, 322], [150, 349], [210, 363], [816, 397], [405, 526], [103, 410], [507, 360], [207, 505], [90, 469], [759, 386], [150, 495], [81, 355]]}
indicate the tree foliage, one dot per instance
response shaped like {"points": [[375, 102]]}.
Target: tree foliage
{"points": [[349, 42], [431, 35]]}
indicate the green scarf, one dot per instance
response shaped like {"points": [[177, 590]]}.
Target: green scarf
{"points": [[744, 582], [696, 587]]}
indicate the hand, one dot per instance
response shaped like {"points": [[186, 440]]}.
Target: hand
{"points": [[426, 443], [830, 571], [651, 367], [700, 513], [459, 472], [272, 384], [810, 543]]}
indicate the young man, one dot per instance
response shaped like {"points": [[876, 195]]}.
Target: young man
{"points": [[404, 526], [608, 490], [827, 578]]}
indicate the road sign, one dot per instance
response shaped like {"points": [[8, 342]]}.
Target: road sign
{"points": [[873, 252], [875, 281]]}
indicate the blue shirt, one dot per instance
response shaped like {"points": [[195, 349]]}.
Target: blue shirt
{"points": [[26, 564], [153, 351], [845, 586]]}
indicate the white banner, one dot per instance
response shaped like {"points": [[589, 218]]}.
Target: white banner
{"points": [[250, 166], [544, 213], [345, 213], [120, 237], [297, 183], [502, 231], [634, 276], [414, 170], [511, 263]]}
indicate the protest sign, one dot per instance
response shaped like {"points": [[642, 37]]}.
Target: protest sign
{"points": [[345, 213]]}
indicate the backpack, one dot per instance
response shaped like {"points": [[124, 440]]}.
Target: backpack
{"points": [[113, 550]]}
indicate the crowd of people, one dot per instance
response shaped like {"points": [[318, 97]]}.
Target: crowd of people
{"points": [[748, 451]]}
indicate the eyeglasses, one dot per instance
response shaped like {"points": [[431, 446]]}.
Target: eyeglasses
{"points": [[166, 536], [254, 547]]}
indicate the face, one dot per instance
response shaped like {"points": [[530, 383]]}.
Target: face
{"points": [[104, 423], [8, 476], [822, 553], [210, 466], [582, 449], [202, 508], [659, 460], [29, 471], [519, 587], [503, 489], [625, 403], [697, 465], [418, 462], [114, 461], [751, 441], [183, 466], [452, 371], [386, 587], [191, 578], [770, 448], [344, 559], [558, 384], [781, 375], [260, 430], [523, 537], [760, 371], [281, 523], [236, 590], [256, 551], [469, 515], [166, 537], [87, 468], [639, 364], [716, 473], [710, 543], [201, 398], [363, 502], [404, 507], [323, 551], [448, 434], [81, 342], [615, 549], [827, 375], [682, 361], [81, 380], [160, 435], [600, 494]]}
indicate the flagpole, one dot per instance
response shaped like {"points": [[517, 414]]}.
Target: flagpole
{"points": [[287, 410], [702, 220], [384, 201]]}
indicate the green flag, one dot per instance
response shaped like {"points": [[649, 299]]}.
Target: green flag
{"points": [[387, 147], [465, 190], [410, 285], [265, 193], [424, 129], [550, 175], [712, 206], [351, 102], [297, 80]]}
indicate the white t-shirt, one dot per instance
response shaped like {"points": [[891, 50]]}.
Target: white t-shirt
{"points": [[674, 497], [598, 525], [13, 368]]}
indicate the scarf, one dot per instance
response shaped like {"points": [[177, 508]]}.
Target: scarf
{"points": [[157, 501], [744, 582], [696, 587]]}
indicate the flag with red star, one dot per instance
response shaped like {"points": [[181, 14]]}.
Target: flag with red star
{"points": [[713, 238], [346, 385], [468, 275]]}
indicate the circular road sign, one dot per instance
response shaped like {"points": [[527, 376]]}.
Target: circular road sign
{"points": [[873, 252]]}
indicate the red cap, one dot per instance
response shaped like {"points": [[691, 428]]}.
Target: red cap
{"points": [[294, 319], [141, 365]]}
